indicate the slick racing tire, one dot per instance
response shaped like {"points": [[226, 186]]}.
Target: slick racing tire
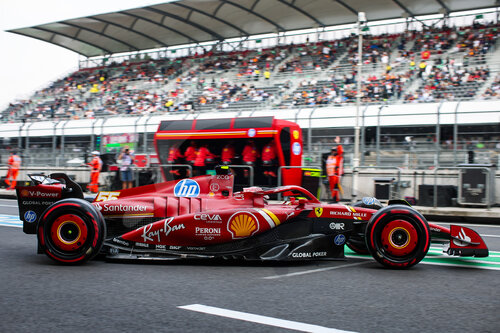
{"points": [[71, 231], [357, 242], [398, 236]]}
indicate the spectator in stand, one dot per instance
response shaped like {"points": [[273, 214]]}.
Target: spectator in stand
{"points": [[335, 170], [96, 166], [14, 164], [126, 158]]}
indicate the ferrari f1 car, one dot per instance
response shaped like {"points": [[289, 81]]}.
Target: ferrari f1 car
{"points": [[201, 217]]}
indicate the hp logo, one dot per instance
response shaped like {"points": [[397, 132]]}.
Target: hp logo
{"points": [[30, 216], [187, 188], [339, 239], [368, 200]]}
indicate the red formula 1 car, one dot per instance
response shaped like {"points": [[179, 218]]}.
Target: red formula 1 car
{"points": [[201, 217]]}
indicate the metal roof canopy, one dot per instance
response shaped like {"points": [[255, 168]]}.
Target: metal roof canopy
{"points": [[196, 21]]}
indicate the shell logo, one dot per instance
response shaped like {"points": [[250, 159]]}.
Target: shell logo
{"points": [[24, 193], [295, 134], [242, 224]]}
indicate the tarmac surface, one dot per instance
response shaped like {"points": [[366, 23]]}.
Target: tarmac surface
{"points": [[357, 294]]}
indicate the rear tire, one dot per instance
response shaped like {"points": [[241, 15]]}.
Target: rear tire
{"points": [[398, 236], [71, 231]]}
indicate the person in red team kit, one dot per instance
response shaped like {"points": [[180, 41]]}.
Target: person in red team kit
{"points": [[203, 155], [228, 154], [96, 166], [14, 163], [190, 153], [249, 155], [335, 170], [268, 158], [174, 157]]}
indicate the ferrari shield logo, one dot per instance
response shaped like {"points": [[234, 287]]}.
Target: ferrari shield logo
{"points": [[318, 211]]}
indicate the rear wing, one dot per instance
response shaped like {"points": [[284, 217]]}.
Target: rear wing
{"points": [[34, 199]]}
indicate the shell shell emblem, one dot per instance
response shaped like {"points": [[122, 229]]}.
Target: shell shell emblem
{"points": [[242, 224]]}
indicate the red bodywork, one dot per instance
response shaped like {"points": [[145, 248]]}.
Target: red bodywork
{"points": [[202, 217], [286, 135]]}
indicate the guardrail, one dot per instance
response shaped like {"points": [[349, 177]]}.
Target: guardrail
{"points": [[250, 169], [292, 167], [171, 166], [459, 201], [356, 170]]}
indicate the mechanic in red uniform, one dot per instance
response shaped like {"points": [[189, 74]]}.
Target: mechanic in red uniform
{"points": [[96, 166], [14, 163], [203, 156], [174, 157], [228, 154], [249, 155], [268, 158], [335, 170], [190, 154]]}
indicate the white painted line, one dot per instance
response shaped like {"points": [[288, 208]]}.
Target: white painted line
{"points": [[446, 225], [11, 225], [496, 236], [10, 206], [292, 325], [458, 265], [312, 271]]}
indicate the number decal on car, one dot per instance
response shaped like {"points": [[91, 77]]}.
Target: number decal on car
{"points": [[105, 196]]}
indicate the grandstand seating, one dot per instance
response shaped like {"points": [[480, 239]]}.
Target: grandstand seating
{"points": [[304, 75]]}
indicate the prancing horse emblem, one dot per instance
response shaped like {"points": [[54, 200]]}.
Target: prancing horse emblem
{"points": [[318, 211]]}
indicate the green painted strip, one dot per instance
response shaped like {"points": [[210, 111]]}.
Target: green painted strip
{"points": [[436, 256], [454, 260]]}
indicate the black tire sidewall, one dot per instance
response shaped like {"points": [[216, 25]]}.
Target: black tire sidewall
{"points": [[356, 242], [377, 224], [93, 220]]}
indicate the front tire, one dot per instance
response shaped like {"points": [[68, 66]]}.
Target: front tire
{"points": [[398, 236], [71, 231]]}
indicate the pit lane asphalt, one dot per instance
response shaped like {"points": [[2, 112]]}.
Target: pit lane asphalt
{"points": [[37, 295]]}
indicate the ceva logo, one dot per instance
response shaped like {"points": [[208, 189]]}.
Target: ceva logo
{"points": [[187, 188]]}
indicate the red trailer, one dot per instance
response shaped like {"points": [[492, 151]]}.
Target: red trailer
{"points": [[215, 134]]}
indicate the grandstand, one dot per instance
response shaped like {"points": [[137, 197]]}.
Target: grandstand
{"points": [[432, 75]]}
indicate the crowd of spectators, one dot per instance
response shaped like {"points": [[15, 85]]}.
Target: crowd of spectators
{"points": [[247, 63], [339, 91], [493, 91], [446, 81], [138, 86], [225, 94], [314, 56], [376, 49]]}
